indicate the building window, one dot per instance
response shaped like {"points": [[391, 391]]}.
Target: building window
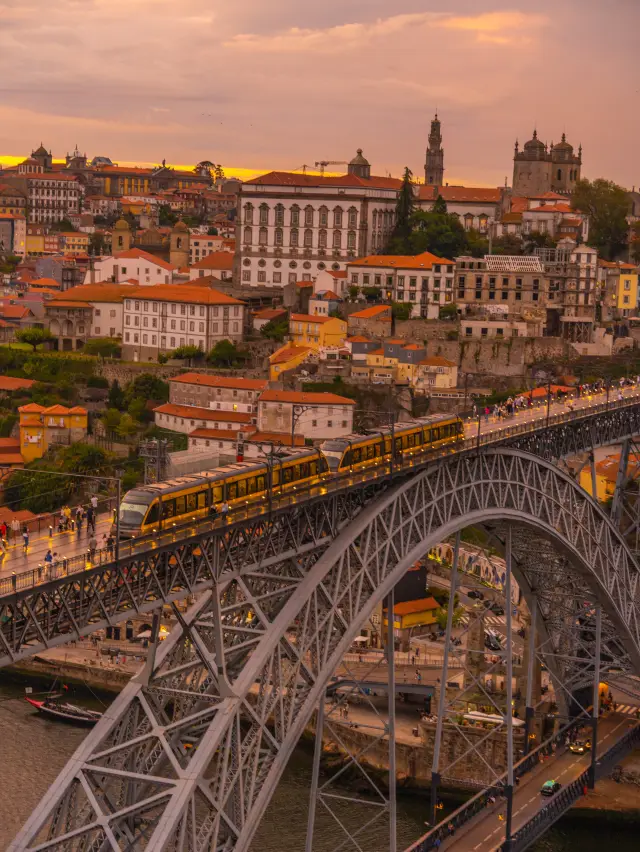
{"points": [[262, 237], [322, 239], [279, 211], [353, 217], [337, 217], [337, 240], [277, 277], [295, 216], [351, 240], [278, 237], [264, 214], [308, 215], [294, 236], [308, 238], [323, 217], [248, 236], [246, 275], [248, 214], [262, 276]]}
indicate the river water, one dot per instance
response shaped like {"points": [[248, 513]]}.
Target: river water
{"points": [[33, 750]]}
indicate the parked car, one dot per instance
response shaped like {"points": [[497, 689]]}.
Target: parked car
{"points": [[475, 594], [580, 746], [550, 788]]}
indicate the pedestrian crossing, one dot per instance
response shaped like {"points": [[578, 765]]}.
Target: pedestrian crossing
{"points": [[489, 620], [628, 709]]}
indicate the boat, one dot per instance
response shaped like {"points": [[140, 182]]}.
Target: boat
{"points": [[65, 712]]}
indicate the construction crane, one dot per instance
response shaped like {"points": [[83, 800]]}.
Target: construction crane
{"points": [[323, 163], [303, 168]]}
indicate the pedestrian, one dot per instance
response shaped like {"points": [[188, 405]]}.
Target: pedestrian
{"points": [[48, 558], [110, 543], [487, 412], [79, 514], [224, 511], [15, 528], [25, 539], [93, 545], [94, 503], [3, 530]]}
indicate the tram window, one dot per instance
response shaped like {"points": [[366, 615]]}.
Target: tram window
{"points": [[251, 485], [232, 490], [418, 438], [427, 436], [313, 468], [191, 502], [202, 499], [242, 488], [378, 449], [168, 509], [275, 477], [435, 434], [356, 454], [387, 446], [304, 470], [217, 493], [346, 460], [287, 474], [398, 443], [261, 483], [152, 514], [411, 440], [180, 506]]}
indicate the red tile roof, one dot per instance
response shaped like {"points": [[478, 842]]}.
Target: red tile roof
{"points": [[304, 398], [286, 353], [311, 318], [192, 412], [9, 383], [139, 254], [222, 434], [375, 311], [437, 361], [426, 260], [412, 607], [204, 380], [216, 260], [460, 193], [294, 179], [184, 293]]}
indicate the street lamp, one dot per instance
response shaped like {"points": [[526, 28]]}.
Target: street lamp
{"points": [[296, 413]]}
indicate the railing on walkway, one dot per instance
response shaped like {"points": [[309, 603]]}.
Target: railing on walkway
{"points": [[262, 505]]}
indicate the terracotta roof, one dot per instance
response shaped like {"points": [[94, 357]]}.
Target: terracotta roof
{"points": [[139, 254], [437, 361], [192, 412], [376, 352], [460, 193], [15, 311], [44, 282], [9, 444], [359, 339], [394, 340], [373, 311], [511, 218], [216, 260], [413, 347], [270, 313], [311, 318], [283, 438], [9, 383], [337, 273], [519, 204], [222, 434], [304, 283], [134, 170], [550, 208], [49, 176], [11, 458], [204, 380], [327, 295], [548, 195], [608, 467], [294, 179], [286, 353], [94, 293], [31, 408], [304, 398], [66, 303], [184, 293], [426, 260], [612, 264], [60, 409], [411, 607]]}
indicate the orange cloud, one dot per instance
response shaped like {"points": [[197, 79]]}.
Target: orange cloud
{"points": [[496, 27]]}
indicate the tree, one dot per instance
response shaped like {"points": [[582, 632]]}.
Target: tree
{"points": [[106, 347], [111, 419], [440, 205], [477, 243], [166, 216], [401, 310], [34, 336], [404, 212], [607, 206], [441, 234], [226, 354], [116, 396], [276, 329], [212, 232], [448, 312], [97, 243], [187, 353], [372, 294], [509, 244], [635, 241], [147, 386], [62, 225], [353, 292], [127, 426], [442, 614]]}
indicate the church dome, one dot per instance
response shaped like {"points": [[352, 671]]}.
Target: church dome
{"points": [[40, 152], [121, 225], [534, 144], [180, 226], [359, 160], [563, 146]]}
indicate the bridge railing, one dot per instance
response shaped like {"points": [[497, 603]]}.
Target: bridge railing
{"points": [[479, 802], [261, 506], [567, 796]]}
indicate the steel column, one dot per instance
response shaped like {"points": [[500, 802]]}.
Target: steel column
{"points": [[595, 710], [616, 503], [317, 754], [528, 710], [435, 777], [594, 478], [391, 698], [509, 691]]}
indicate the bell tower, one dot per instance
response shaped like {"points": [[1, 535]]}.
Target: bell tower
{"points": [[434, 167]]}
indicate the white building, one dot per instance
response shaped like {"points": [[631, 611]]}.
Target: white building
{"points": [[216, 263], [202, 245], [186, 418], [145, 268], [229, 393], [476, 207], [292, 226], [51, 196], [162, 318], [424, 280], [107, 301], [318, 416]]}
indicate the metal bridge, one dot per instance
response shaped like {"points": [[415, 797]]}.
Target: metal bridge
{"points": [[189, 754]]}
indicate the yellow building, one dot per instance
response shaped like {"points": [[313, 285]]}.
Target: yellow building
{"points": [[607, 474], [398, 362], [74, 242], [411, 614], [620, 282], [41, 428], [288, 357], [317, 331], [628, 288], [35, 239]]}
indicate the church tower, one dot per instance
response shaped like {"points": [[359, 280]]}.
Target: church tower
{"points": [[179, 242], [434, 167]]}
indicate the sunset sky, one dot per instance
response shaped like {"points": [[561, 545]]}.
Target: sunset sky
{"points": [[258, 85]]}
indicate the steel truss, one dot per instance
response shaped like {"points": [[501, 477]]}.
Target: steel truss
{"points": [[189, 754]]}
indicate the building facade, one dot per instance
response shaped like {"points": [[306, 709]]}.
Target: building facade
{"points": [[319, 416], [316, 331], [218, 392], [540, 168], [434, 165], [512, 281]]}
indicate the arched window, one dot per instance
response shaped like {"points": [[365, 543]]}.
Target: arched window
{"points": [[278, 239], [337, 217], [324, 216], [322, 239], [337, 240], [559, 174], [262, 238], [248, 236], [293, 237], [264, 214], [308, 215], [308, 238], [353, 217], [351, 240], [295, 216], [279, 210], [179, 243], [248, 214]]}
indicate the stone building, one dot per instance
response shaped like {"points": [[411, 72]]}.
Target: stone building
{"points": [[541, 168], [217, 392], [434, 166], [511, 281]]}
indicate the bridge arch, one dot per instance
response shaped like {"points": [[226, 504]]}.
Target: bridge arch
{"points": [[259, 707]]}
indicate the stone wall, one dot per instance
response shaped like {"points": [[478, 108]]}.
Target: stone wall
{"points": [[127, 372], [505, 358], [420, 330]]}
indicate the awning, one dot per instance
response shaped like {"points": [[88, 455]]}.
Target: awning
{"points": [[361, 639]]}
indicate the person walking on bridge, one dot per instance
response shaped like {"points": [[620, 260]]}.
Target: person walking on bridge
{"points": [[15, 529]]}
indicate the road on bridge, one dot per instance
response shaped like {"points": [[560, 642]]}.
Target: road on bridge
{"points": [[486, 831]]}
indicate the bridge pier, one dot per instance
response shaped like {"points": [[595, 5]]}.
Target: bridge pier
{"points": [[595, 709], [529, 710]]}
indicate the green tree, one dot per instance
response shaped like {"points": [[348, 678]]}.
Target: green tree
{"points": [[440, 206], [97, 244], [441, 234], [226, 354], [187, 353], [147, 386], [212, 232], [138, 410], [401, 310], [404, 212], [477, 243], [535, 240], [353, 292], [448, 312], [62, 226], [607, 206], [107, 347], [111, 419], [127, 426], [635, 241], [372, 294], [166, 216], [34, 336], [276, 329], [442, 614], [510, 244], [116, 396]]}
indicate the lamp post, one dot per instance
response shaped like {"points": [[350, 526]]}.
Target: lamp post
{"points": [[296, 413]]}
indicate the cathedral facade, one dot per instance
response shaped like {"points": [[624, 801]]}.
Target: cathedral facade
{"points": [[541, 168]]}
